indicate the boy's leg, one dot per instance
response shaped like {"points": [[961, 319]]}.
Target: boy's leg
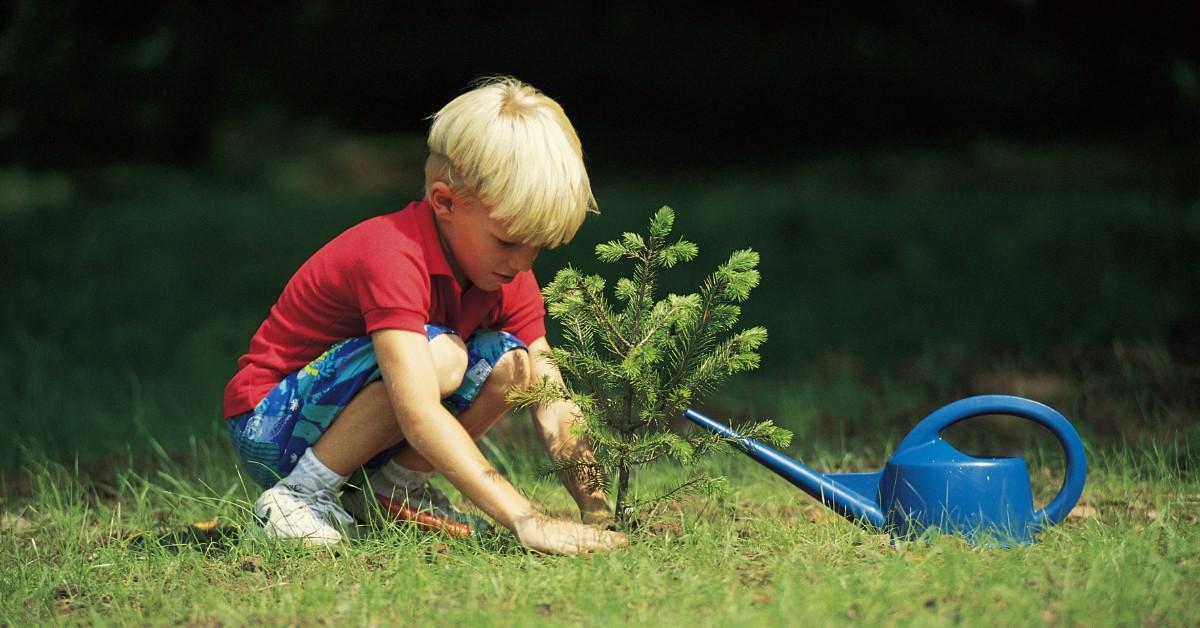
{"points": [[512, 370], [279, 437], [497, 362], [367, 425]]}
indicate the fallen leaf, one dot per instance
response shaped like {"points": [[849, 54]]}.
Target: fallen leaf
{"points": [[206, 526], [1083, 511]]}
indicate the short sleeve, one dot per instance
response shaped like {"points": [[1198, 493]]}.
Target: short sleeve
{"points": [[522, 311], [392, 290]]}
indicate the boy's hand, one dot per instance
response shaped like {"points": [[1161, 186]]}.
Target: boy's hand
{"points": [[557, 423], [558, 536]]}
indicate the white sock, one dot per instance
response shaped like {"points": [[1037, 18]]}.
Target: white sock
{"points": [[312, 475], [393, 480]]}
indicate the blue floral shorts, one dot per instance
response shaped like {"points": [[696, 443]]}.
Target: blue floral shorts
{"points": [[270, 439]]}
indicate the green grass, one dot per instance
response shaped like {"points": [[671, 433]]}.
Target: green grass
{"points": [[895, 280], [83, 552]]}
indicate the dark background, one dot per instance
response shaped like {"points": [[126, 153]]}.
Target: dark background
{"points": [[678, 81], [949, 198]]}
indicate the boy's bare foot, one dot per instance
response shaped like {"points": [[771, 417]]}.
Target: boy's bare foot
{"points": [[558, 536]]}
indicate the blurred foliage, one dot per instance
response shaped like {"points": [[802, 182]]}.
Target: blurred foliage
{"points": [[85, 81], [994, 244], [908, 256], [894, 279], [315, 158], [22, 191]]}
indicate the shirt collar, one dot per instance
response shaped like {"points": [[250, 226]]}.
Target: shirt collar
{"points": [[435, 257]]}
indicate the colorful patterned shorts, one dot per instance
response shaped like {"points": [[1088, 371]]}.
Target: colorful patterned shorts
{"points": [[270, 439]]}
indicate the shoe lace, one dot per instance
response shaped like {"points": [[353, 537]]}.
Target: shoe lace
{"points": [[428, 497], [327, 506]]}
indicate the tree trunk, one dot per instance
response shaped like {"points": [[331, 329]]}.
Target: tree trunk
{"points": [[623, 472], [622, 508]]}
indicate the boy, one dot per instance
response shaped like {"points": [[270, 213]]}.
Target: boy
{"points": [[392, 348]]}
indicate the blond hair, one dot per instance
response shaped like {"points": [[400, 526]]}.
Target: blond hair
{"points": [[515, 149]]}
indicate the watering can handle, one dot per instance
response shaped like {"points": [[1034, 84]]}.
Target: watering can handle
{"points": [[931, 427]]}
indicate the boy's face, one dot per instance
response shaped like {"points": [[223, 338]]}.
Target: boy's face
{"points": [[478, 247]]}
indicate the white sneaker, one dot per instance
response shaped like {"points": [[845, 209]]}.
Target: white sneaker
{"points": [[291, 512]]}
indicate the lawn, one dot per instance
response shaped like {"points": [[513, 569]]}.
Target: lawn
{"points": [[895, 280], [123, 551]]}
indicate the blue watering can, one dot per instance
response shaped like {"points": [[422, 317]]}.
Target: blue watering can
{"points": [[927, 483]]}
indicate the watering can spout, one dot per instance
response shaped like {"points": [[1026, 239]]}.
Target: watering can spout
{"points": [[853, 495]]}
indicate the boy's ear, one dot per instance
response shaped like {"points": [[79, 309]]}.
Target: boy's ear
{"points": [[441, 198]]}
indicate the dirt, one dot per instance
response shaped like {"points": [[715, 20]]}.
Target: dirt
{"points": [[753, 573], [252, 564], [14, 524], [667, 528]]}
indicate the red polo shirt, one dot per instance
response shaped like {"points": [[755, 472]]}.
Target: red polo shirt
{"points": [[388, 272]]}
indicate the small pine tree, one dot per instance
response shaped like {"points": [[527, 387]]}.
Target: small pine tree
{"points": [[631, 371]]}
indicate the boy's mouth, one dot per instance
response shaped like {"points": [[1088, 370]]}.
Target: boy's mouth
{"points": [[504, 278]]}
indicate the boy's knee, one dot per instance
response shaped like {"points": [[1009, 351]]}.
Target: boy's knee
{"points": [[512, 370], [450, 361]]}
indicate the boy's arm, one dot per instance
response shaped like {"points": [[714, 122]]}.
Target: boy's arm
{"points": [[408, 374], [556, 424]]}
